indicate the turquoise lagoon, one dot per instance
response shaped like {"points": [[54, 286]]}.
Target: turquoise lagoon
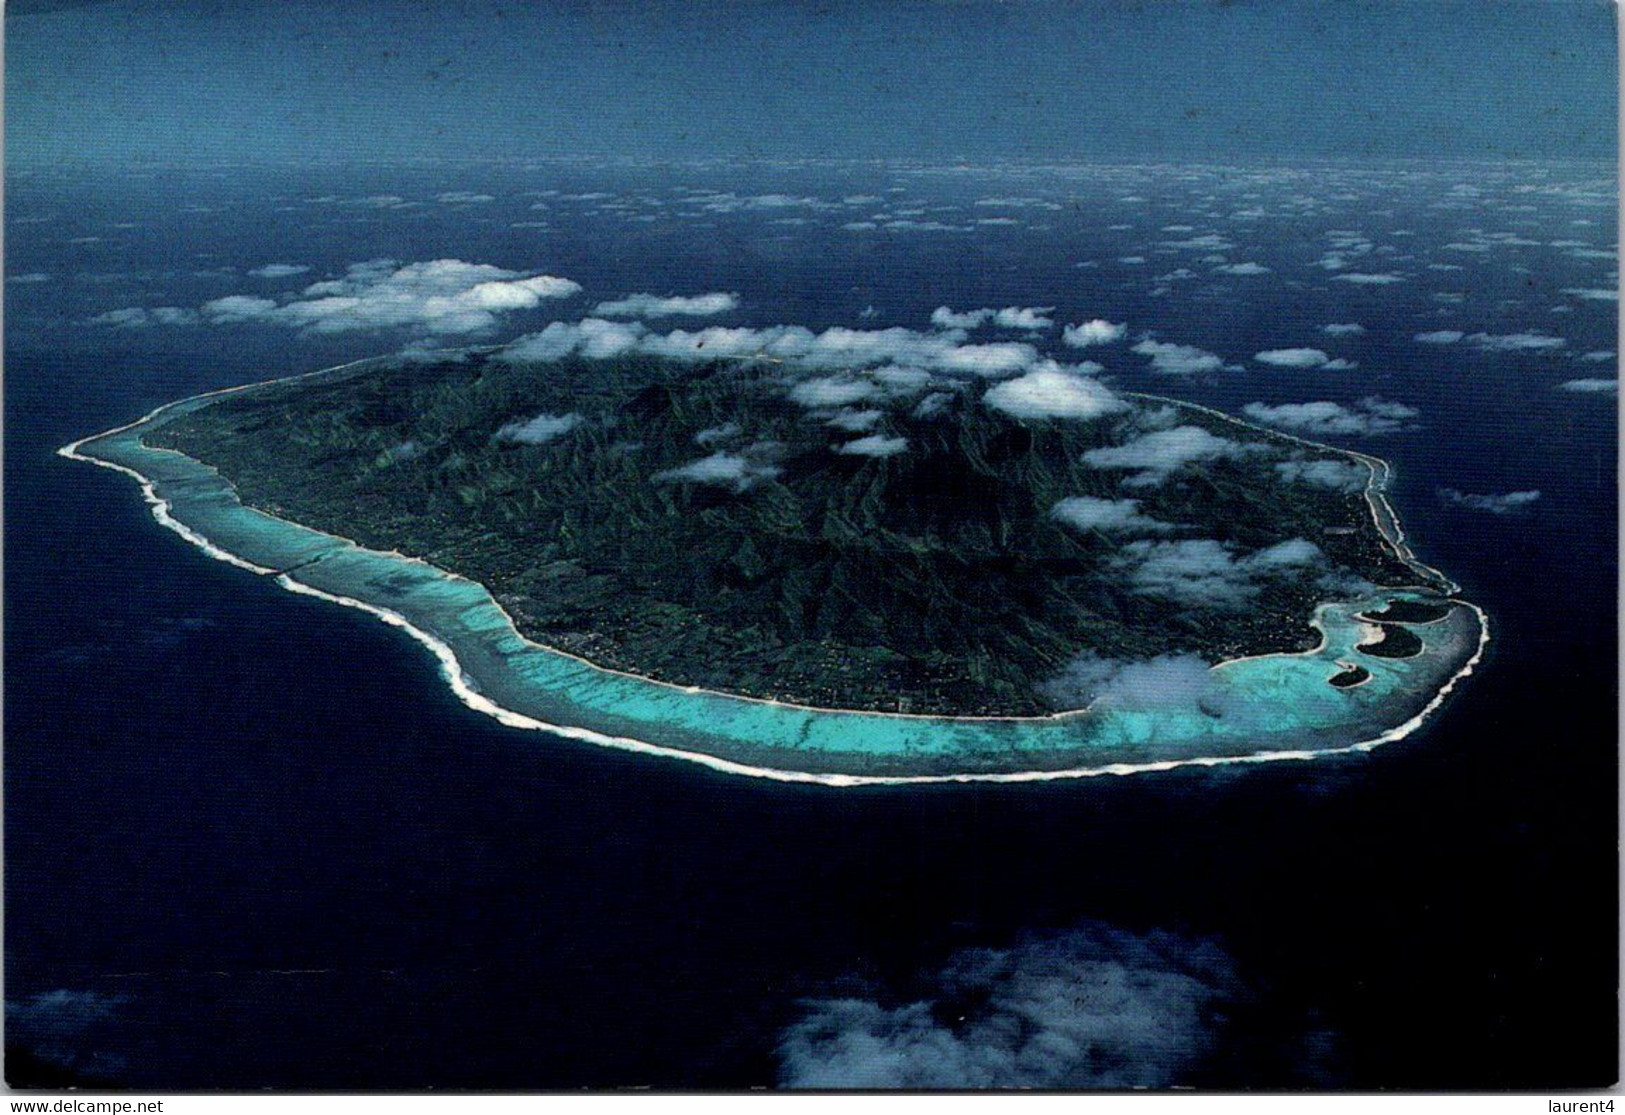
{"points": [[1268, 707]]}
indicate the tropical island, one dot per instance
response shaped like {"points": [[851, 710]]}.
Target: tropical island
{"points": [[891, 544]]}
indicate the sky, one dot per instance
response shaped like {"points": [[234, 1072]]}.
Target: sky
{"points": [[204, 81]]}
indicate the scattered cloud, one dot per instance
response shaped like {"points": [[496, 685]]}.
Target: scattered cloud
{"points": [[69, 1029], [1340, 476], [539, 430], [593, 337], [1178, 360], [1024, 317], [853, 420], [1054, 392], [1301, 358], [1183, 680], [1205, 573], [1350, 329], [443, 296], [1366, 278], [1369, 417], [279, 270], [1515, 342], [727, 431], [1096, 332], [1157, 455], [137, 317], [875, 445], [1441, 337], [987, 360], [1011, 317], [833, 391], [1110, 515], [1592, 386], [653, 305], [738, 471], [1095, 1007], [1242, 269], [1510, 503]]}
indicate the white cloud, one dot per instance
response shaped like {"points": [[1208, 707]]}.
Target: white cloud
{"points": [[1515, 342], [1208, 242], [1024, 317], [1243, 269], [875, 445], [1111, 515], [1053, 392], [137, 317], [279, 270], [1160, 453], [724, 470], [853, 420], [1365, 278], [1340, 476], [443, 296], [1441, 337], [837, 347], [1011, 317], [1369, 417], [1096, 332], [1594, 294], [1592, 386], [1092, 1008], [1511, 503], [1206, 573], [539, 430], [727, 431], [833, 391], [593, 337], [1168, 680], [988, 360], [1350, 329], [653, 305], [1293, 358], [1178, 360], [30, 277]]}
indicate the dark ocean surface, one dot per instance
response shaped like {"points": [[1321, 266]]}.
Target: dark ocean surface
{"points": [[253, 841]]}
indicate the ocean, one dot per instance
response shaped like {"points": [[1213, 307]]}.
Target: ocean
{"points": [[254, 841]]}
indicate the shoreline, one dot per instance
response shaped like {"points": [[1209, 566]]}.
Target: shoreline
{"points": [[466, 690]]}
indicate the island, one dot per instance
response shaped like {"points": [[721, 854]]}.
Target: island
{"points": [[839, 574]]}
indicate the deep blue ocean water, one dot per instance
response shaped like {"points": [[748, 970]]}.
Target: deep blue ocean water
{"points": [[252, 840]]}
